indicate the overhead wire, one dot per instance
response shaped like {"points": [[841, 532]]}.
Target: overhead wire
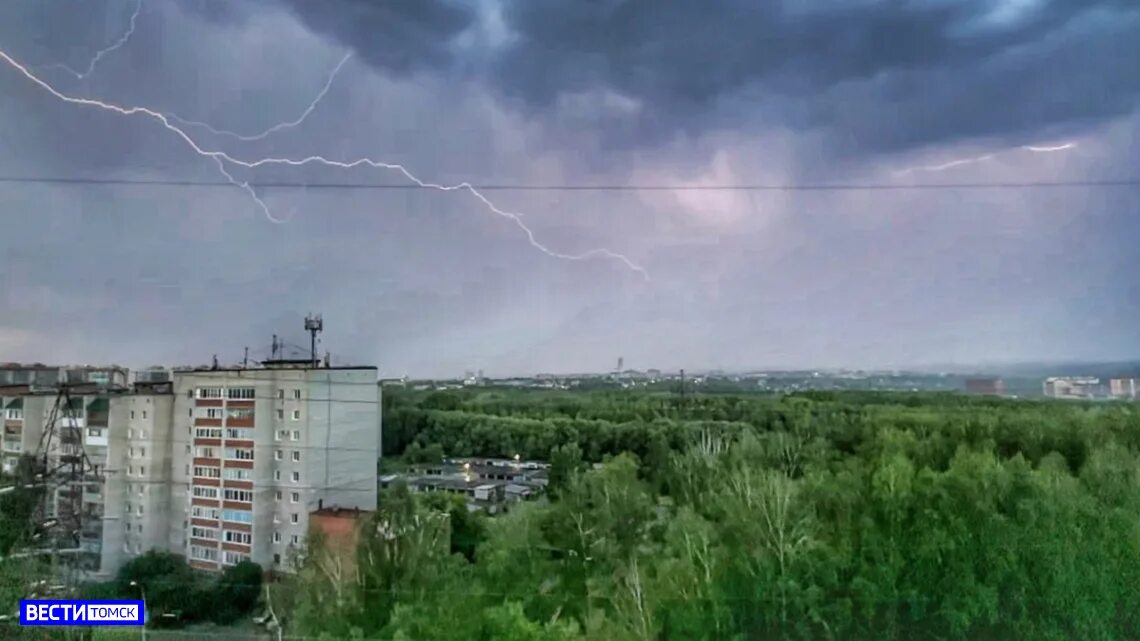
{"points": [[1123, 182]]}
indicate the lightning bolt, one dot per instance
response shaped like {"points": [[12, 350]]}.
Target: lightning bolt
{"points": [[946, 165], [114, 46], [221, 157], [977, 159], [279, 126], [1040, 150]]}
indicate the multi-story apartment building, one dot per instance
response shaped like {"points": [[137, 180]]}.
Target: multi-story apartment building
{"points": [[1126, 388], [32, 401], [256, 450], [137, 479], [219, 465], [1072, 387]]}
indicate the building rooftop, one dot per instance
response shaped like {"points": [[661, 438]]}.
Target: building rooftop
{"points": [[302, 365], [340, 512]]}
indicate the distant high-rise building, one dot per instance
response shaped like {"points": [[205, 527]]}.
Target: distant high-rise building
{"points": [[1077, 387], [1126, 388], [621, 364], [987, 386]]}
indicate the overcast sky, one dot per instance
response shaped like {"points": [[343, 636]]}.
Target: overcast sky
{"points": [[671, 94]]}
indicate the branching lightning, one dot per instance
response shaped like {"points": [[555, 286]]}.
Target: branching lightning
{"points": [[111, 48], [220, 158], [279, 126], [978, 159]]}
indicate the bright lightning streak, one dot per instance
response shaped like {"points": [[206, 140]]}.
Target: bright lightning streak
{"points": [[1039, 150], [248, 189], [219, 156], [114, 46], [279, 126], [978, 159], [946, 165]]}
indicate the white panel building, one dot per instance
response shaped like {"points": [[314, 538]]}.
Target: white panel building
{"points": [[216, 464]]}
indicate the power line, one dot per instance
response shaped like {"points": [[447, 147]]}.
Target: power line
{"points": [[1046, 184]]}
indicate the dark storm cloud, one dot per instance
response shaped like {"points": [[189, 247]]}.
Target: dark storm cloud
{"points": [[396, 35], [881, 75], [887, 75]]}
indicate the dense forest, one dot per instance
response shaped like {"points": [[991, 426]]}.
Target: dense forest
{"points": [[812, 516]]}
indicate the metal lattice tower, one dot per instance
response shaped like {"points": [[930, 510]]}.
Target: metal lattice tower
{"points": [[64, 473]]}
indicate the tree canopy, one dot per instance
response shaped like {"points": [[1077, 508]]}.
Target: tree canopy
{"points": [[814, 516]]}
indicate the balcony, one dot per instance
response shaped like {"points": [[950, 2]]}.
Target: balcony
{"points": [[71, 422], [98, 412], [14, 447], [96, 436]]}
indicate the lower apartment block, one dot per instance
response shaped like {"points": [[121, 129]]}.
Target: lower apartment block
{"points": [[218, 465]]}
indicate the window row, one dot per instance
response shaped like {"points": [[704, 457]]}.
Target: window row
{"points": [[239, 454], [207, 472], [231, 453], [238, 495], [294, 497], [230, 432], [204, 492], [238, 393], [294, 518], [219, 413], [233, 558], [282, 435], [237, 516], [295, 455], [205, 512], [295, 476], [200, 553], [239, 433], [238, 473], [293, 540], [295, 394], [233, 536]]}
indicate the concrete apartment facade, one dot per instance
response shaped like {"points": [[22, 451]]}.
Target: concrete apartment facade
{"points": [[219, 465], [257, 450]]}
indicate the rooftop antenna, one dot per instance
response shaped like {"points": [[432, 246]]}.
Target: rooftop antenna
{"points": [[245, 359], [273, 348], [314, 325]]}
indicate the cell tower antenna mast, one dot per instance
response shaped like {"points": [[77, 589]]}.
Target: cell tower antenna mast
{"points": [[314, 325]]}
